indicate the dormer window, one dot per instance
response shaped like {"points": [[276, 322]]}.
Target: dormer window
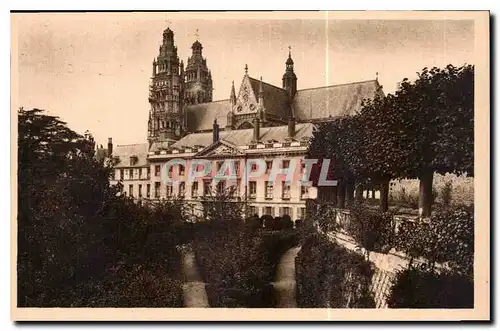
{"points": [[133, 160]]}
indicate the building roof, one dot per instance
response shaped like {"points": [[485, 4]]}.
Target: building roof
{"points": [[101, 154], [201, 117], [308, 104], [244, 137], [333, 101], [123, 153], [275, 98]]}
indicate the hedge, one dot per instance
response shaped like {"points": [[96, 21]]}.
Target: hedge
{"points": [[238, 266], [373, 230], [422, 288], [330, 276]]}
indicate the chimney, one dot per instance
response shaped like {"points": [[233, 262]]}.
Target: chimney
{"points": [[215, 131], [291, 127], [256, 129], [110, 146]]}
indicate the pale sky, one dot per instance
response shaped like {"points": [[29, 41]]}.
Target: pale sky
{"points": [[93, 69]]}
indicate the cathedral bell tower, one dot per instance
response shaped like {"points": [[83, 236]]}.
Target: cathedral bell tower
{"points": [[197, 77], [289, 78], [166, 118]]}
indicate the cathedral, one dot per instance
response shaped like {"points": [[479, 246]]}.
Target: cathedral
{"points": [[257, 121]]}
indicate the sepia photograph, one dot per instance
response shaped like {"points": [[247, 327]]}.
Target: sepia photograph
{"points": [[286, 165]]}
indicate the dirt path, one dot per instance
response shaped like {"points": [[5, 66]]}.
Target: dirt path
{"points": [[285, 279], [195, 295]]}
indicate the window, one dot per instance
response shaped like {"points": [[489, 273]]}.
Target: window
{"points": [[302, 213], [254, 166], [157, 170], [302, 167], [170, 191], [171, 171], [252, 210], [121, 174], [221, 186], [235, 189], [286, 164], [194, 190], [218, 165], [252, 189], [269, 211], [157, 189], [148, 190], [269, 166], [304, 192], [182, 189], [206, 188], [140, 191], [285, 211], [237, 167], [285, 193], [181, 170], [131, 190], [269, 190], [149, 172], [130, 173]]}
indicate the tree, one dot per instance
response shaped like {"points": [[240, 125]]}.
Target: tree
{"points": [[383, 150], [339, 141], [61, 189], [75, 231], [434, 120], [427, 126]]}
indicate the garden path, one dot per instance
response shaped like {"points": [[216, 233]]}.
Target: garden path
{"points": [[195, 294], [285, 279]]}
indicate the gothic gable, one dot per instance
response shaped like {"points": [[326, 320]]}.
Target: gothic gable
{"points": [[246, 102]]}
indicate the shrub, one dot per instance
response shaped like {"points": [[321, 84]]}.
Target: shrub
{"points": [[446, 194], [230, 259], [253, 223], [372, 229], [298, 223], [237, 265], [322, 215], [286, 222], [277, 223], [447, 237], [268, 222], [330, 276], [130, 286], [419, 287]]}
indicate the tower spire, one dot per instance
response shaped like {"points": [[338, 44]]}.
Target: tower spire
{"points": [[246, 69], [232, 98], [289, 78]]}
